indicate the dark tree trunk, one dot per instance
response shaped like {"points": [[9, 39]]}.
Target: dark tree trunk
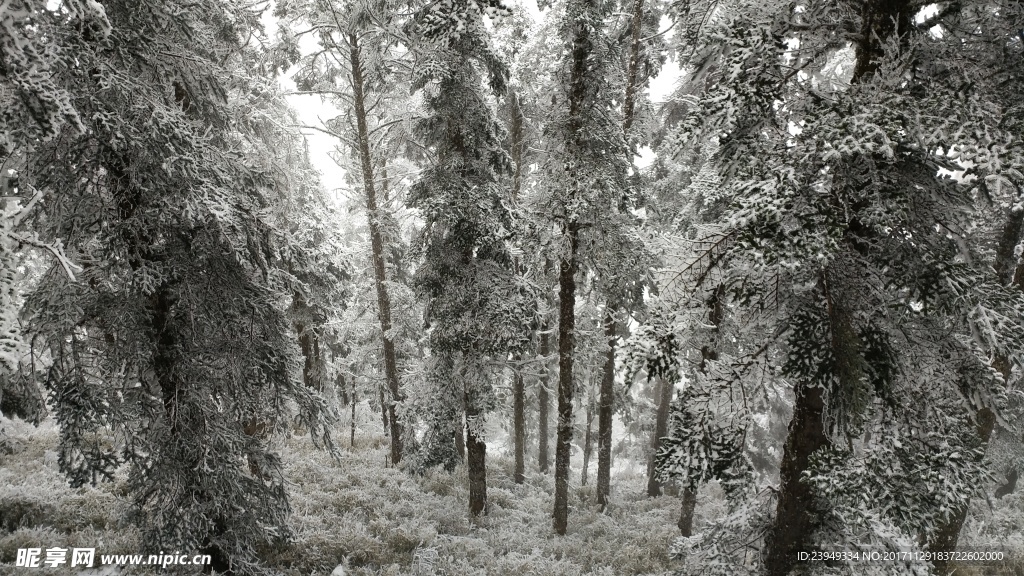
{"points": [[708, 352], [312, 365], [604, 415], [665, 391], [352, 421], [587, 442], [794, 518], [686, 511], [377, 247], [476, 460], [566, 333], [519, 424], [544, 403], [383, 409]]}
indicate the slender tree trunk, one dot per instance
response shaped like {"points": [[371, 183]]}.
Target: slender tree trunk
{"points": [[518, 387], [352, 421], [476, 457], [582, 52], [604, 415], [383, 409], [519, 423], [605, 421], [377, 246], [660, 431], [587, 442], [566, 333], [707, 352], [544, 403]]}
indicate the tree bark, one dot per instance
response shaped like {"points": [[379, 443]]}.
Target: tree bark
{"points": [[665, 390], [476, 457], [604, 415], [794, 518], [544, 403], [587, 442], [686, 511], [312, 366], [459, 436], [566, 333], [582, 52], [519, 424], [629, 103], [518, 391], [796, 515], [352, 421], [377, 248]]}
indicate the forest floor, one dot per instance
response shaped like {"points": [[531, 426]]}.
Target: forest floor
{"points": [[376, 520], [357, 512]]}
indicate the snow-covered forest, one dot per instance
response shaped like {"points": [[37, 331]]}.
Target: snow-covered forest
{"points": [[523, 318]]}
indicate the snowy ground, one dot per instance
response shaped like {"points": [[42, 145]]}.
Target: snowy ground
{"points": [[357, 513]]}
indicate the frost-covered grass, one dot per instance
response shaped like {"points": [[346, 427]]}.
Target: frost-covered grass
{"points": [[379, 520], [39, 510], [356, 511]]}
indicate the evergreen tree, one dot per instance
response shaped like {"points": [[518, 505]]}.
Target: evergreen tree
{"points": [[172, 348], [845, 257], [467, 274]]}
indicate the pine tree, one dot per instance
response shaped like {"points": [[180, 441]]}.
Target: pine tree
{"points": [[173, 340], [467, 274], [352, 69], [588, 180]]}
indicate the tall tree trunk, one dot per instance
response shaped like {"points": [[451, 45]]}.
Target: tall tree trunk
{"points": [[582, 52], [519, 423], [716, 312], [665, 391], [1011, 273], [352, 420], [544, 402], [605, 409], [476, 455], [566, 333], [587, 442], [377, 246], [518, 391], [604, 414]]}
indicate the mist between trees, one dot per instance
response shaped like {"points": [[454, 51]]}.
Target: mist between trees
{"points": [[800, 327]]}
